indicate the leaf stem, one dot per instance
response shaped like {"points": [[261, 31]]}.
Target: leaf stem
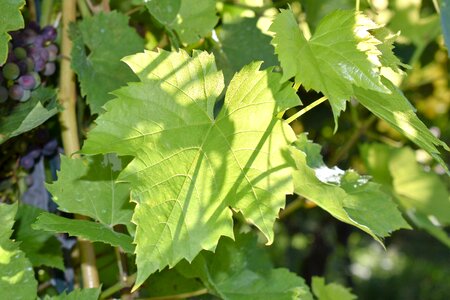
{"points": [[84, 9], [46, 12], [118, 286], [306, 109], [357, 5], [436, 6], [69, 131], [179, 296]]}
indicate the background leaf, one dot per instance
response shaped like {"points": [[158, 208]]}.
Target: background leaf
{"points": [[331, 291], [190, 19], [28, 115], [240, 270], [92, 231], [99, 43], [445, 22], [77, 294], [16, 272]]}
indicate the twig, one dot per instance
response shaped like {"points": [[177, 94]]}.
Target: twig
{"points": [[291, 207], [69, 132], [306, 109]]}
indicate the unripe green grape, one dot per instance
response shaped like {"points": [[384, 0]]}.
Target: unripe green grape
{"points": [[20, 53], [11, 71]]}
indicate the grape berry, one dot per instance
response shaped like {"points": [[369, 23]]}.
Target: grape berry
{"points": [[31, 57]]}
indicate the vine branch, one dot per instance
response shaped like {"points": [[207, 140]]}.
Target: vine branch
{"points": [[69, 132], [306, 109]]}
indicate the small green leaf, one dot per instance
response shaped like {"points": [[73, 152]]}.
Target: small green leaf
{"points": [[42, 248], [347, 196], [30, 114], [78, 294], [88, 186], [16, 272], [11, 20], [333, 60], [331, 291], [95, 232], [190, 19], [99, 44], [203, 164], [240, 270]]}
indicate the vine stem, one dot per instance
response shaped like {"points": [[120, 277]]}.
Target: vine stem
{"points": [[357, 4], [436, 6], [306, 109], [69, 132]]}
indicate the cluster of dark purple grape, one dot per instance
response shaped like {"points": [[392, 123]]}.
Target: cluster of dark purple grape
{"points": [[49, 149], [32, 54]]}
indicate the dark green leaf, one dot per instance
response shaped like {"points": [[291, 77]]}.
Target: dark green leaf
{"points": [[331, 291]]}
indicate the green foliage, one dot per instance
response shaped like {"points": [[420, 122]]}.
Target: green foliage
{"points": [[29, 115], [347, 196], [78, 294], [88, 187], [445, 22], [331, 291], [11, 20], [188, 19], [236, 159], [99, 69], [41, 248], [16, 273], [242, 42], [241, 270], [92, 231], [333, 61]]}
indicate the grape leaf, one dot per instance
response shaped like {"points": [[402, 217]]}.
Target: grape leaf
{"points": [[26, 116], [395, 109], [77, 294], [345, 195], [99, 42], [16, 272], [240, 43], [331, 291], [88, 186], [420, 194], [41, 248], [190, 19], [203, 164], [445, 22], [92, 231], [11, 20], [239, 270], [339, 55]]}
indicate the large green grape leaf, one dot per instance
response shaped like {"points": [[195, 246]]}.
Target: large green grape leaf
{"points": [[88, 186], [341, 54], [331, 291], [78, 294], [395, 109], [16, 272], [99, 42], [240, 270], [189, 166], [30, 114], [92, 231], [445, 22], [42, 248], [11, 20], [240, 43], [168, 283], [347, 196], [190, 19], [422, 195]]}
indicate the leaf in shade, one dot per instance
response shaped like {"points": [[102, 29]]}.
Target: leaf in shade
{"points": [[26, 116], [92, 231], [240, 270], [100, 42], [77, 294], [42, 248], [16, 272], [190, 19], [88, 186], [204, 164]]}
